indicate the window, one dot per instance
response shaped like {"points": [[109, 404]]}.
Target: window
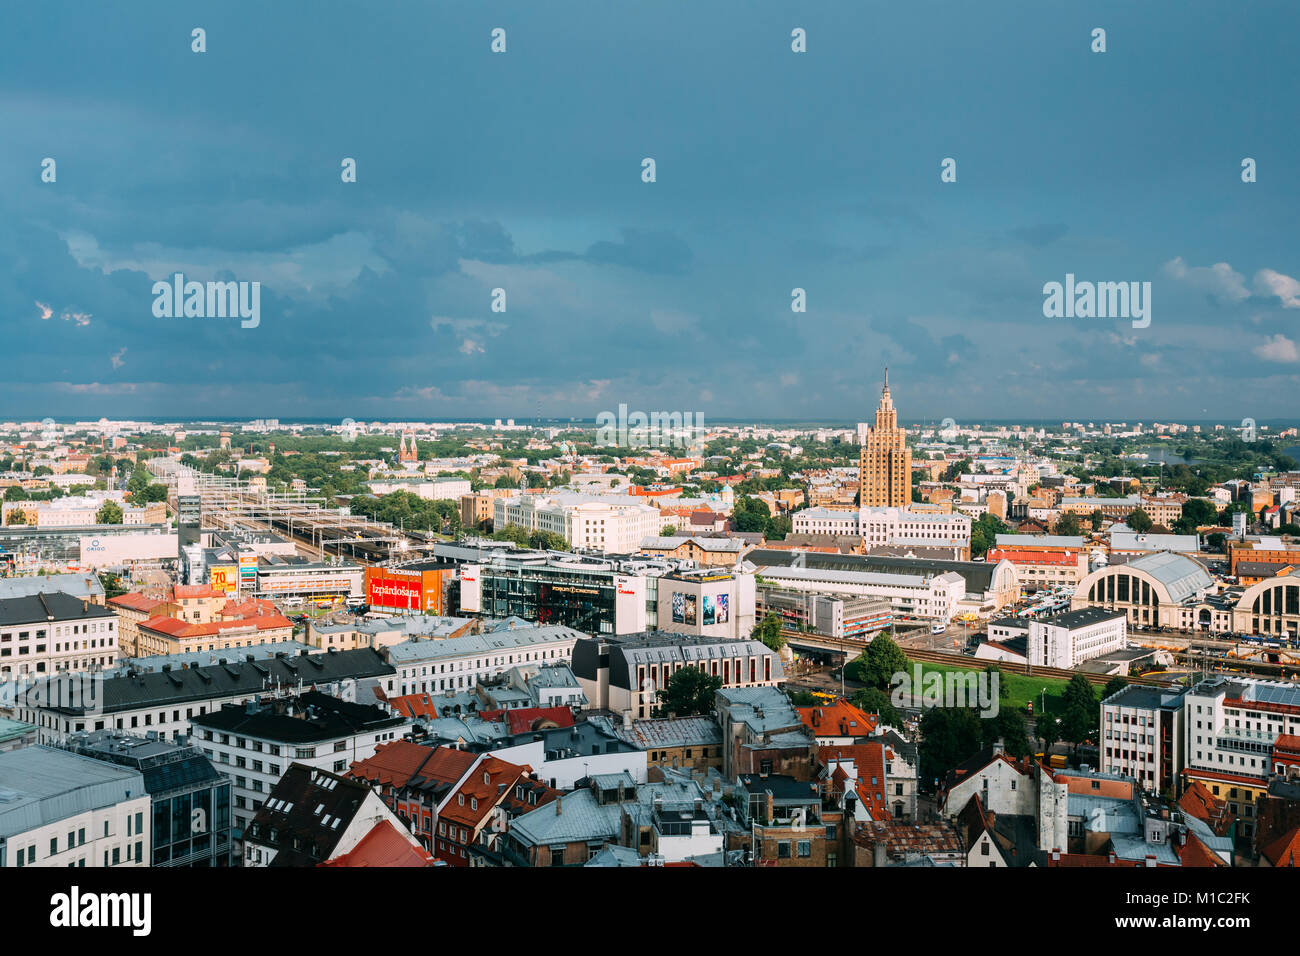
{"points": [[783, 849], [805, 848]]}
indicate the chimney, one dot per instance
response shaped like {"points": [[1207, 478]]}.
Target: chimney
{"points": [[558, 802]]}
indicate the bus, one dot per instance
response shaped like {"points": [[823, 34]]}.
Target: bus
{"points": [[938, 628]]}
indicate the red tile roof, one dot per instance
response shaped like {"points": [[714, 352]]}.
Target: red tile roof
{"points": [[174, 627], [384, 845], [1285, 850], [182, 591], [400, 762], [869, 763], [1033, 556], [1196, 853], [1197, 801], [523, 719], [487, 784], [840, 719], [136, 601]]}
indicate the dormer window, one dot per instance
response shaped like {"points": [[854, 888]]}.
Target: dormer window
{"points": [[460, 798]]}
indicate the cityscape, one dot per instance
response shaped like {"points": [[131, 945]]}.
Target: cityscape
{"points": [[736, 438]]}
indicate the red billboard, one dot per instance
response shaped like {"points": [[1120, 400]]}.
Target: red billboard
{"points": [[391, 589], [385, 589]]}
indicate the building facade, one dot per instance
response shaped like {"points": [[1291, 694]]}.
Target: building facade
{"points": [[885, 462]]}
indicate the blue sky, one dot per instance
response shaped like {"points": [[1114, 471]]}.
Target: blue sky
{"points": [[775, 170]]}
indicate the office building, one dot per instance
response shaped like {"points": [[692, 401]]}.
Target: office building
{"points": [[190, 801]]}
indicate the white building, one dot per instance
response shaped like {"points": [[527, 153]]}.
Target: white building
{"points": [[591, 522], [1067, 640], [254, 744], [61, 809], [166, 700], [1142, 730], [461, 663], [930, 596], [47, 633], [436, 489], [887, 526]]}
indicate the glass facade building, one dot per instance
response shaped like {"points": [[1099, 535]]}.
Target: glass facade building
{"points": [[190, 799]]}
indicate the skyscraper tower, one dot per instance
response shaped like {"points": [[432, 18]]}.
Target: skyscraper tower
{"points": [[885, 462]]}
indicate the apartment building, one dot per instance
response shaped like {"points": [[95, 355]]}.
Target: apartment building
{"points": [[62, 809], [587, 522], [43, 634], [165, 701], [1043, 561], [623, 674], [884, 526], [254, 743], [1067, 640], [1239, 731], [1142, 734], [431, 666]]}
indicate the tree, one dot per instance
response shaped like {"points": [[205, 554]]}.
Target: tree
{"points": [[690, 693], [512, 532], [154, 492], [1049, 729], [1097, 519], [1197, 512], [1009, 727], [750, 514], [505, 481], [880, 661], [984, 534], [668, 530], [768, 631], [949, 736], [110, 512], [17, 516], [113, 586], [1114, 686], [16, 493], [1081, 715], [1067, 524], [1140, 521], [547, 541], [876, 701]]}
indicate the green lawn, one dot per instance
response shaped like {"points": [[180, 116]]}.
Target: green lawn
{"points": [[1022, 688]]}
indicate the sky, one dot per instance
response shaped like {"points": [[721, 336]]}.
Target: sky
{"points": [[774, 170]]}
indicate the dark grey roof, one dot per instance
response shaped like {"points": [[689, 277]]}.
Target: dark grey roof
{"points": [[235, 679], [51, 606], [1082, 617], [307, 718], [308, 811]]}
